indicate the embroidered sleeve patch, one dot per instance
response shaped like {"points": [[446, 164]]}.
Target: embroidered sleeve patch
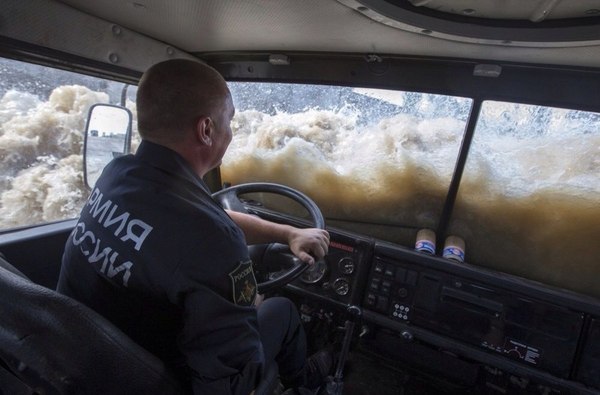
{"points": [[244, 284]]}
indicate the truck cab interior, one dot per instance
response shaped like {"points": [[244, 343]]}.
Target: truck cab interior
{"points": [[451, 147]]}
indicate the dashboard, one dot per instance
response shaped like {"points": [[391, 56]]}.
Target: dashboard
{"points": [[409, 300], [542, 333], [339, 278]]}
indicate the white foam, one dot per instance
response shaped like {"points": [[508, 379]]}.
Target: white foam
{"points": [[528, 203], [40, 151]]}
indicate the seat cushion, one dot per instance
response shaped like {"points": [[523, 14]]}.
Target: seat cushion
{"points": [[4, 263], [53, 342]]}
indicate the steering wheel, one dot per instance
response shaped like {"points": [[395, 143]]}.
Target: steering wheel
{"points": [[275, 253]]}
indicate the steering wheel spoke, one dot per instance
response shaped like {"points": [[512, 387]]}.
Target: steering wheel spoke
{"points": [[230, 200]]}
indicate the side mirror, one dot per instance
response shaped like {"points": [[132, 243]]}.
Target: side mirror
{"points": [[107, 136]]}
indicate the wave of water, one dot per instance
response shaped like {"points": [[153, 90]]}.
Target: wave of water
{"points": [[527, 205], [40, 151]]}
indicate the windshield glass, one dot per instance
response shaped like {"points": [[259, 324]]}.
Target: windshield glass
{"points": [[375, 161], [528, 201], [379, 162], [42, 119]]}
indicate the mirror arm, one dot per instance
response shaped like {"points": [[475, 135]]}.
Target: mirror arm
{"points": [[128, 135]]}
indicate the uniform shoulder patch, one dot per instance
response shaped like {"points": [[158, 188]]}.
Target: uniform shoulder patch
{"points": [[244, 284]]}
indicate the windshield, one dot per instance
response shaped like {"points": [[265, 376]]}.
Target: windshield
{"points": [[377, 162], [528, 201], [366, 156], [42, 118], [380, 162]]}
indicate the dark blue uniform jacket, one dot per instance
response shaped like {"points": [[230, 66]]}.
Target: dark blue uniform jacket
{"points": [[154, 254]]}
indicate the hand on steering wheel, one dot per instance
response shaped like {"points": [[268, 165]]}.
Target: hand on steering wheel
{"points": [[229, 199]]}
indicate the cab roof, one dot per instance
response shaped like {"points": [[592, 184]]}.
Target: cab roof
{"points": [[539, 51], [555, 32]]}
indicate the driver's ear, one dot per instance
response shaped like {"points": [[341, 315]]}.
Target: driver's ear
{"points": [[204, 131]]}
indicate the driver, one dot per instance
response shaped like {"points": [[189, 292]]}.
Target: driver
{"points": [[159, 258]]}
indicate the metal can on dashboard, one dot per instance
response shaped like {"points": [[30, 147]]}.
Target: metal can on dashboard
{"points": [[425, 241], [454, 248]]}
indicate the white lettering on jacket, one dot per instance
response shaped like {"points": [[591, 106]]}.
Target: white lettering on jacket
{"points": [[134, 229], [110, 268], [131, 231]]}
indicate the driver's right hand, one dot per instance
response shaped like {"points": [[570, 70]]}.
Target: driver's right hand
{"points": [[308, 244]]}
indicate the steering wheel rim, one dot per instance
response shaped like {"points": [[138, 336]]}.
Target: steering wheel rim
{"points": [[229, 199]]}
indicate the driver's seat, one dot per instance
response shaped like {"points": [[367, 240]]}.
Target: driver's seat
{"points": [[52, 344]]}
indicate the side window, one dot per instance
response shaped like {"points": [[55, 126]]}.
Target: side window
{"points": [[528, 201], [42, 119], [376, 161]]}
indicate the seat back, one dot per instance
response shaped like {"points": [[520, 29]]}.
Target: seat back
{"points": [[56, 345]]}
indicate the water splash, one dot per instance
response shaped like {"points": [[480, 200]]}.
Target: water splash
{"points": [[528, 203]]}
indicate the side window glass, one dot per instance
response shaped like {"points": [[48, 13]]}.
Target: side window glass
{"points": [[528, 200], [376, 161], [42, 118]]}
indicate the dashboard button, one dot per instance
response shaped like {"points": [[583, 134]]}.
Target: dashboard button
{"points": [[389, 270], [375, 284], [386, 287], [371, 299], [379, 267]]}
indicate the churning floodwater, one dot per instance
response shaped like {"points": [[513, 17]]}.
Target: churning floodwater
{"points": [[528, 203]]}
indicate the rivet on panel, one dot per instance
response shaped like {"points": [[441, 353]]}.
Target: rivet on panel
{"points": [[113, 57], [116, 30]]}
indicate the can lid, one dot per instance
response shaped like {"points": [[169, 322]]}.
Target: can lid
{"points": [[426, 234], [454, 241]]}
